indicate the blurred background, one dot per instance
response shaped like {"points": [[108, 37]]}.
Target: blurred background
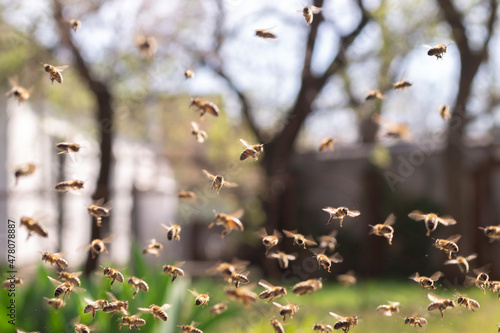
{"points": [[130, 111]]}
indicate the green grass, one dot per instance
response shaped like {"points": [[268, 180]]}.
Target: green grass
{"points": [[361, 300]]}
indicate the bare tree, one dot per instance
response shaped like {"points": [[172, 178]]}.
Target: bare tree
{"points": [[104, 118]]}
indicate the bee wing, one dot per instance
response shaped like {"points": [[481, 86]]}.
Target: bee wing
{"points": [[384, 310], [245, 144], [290, 234], [482, 269], [447, 220], [436, 276], [415, 276], [451, 261], [54, 281], [194, 293], [417, 215], [471, 257], [108, 239], [393, 303], [291, 256], [317, 251], [329, 210], [336, 316], [336, 258], [315, 10], [195, 126], [434, 298], [144, 309], [390, 219], [238, 213], [278, 305], [265, 284], [454, 238], [208, 174], [273, 255], [61, 68], [111, 296], [179, 263], [262, 232], [310, 241], [165, 307], [277, 234], [353, 213], [230, 184]]}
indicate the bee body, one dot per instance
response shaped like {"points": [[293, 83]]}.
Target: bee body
{"points": [[278, 328], [56, 303], [173, 270], [132, 321], [69, 185], [138, 284]]}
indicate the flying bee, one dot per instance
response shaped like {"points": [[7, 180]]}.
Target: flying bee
{"points": [[243, 295], [399, 131], [130, 321], [344, 323], [147, 46], [153, 248], [24, 170], [265, 33], [494, 286], [71, 277], [271, 291], [328, 241], [299, 239], [64, 288], [482, 278], [54, 259], [322, 328], [115, 306], [277, 326], [97, 246], [75, 24], [340, 213], [187, 195], [325, 261], [401, 84], [99, 210], [199, 134], [54, 72], [347, 279], [229, 221], [218, 181], [307, 286], [437, 51], [94, 306], [439, 303], [33, 226], [157, 311], [190, 328], [269, 241], [431, 220], [327, 143], [204, 106], [462, 262], [251, 150], [469, 303], [56, 303], [69, 148], [448, 245], [426, 282], [388, 309], [218, 308], [201, 299], [188, 73], [238, 278], [308, 13], [113, 274], [138, 284], [283, 258], [413, 320], [173, 231], [82, 328], [226, 270], [174, 270], [12, 283], [287, 310], [444, 112], [69, 185], [385, 230], [374, 94], [492, 232], [22, 94]]}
